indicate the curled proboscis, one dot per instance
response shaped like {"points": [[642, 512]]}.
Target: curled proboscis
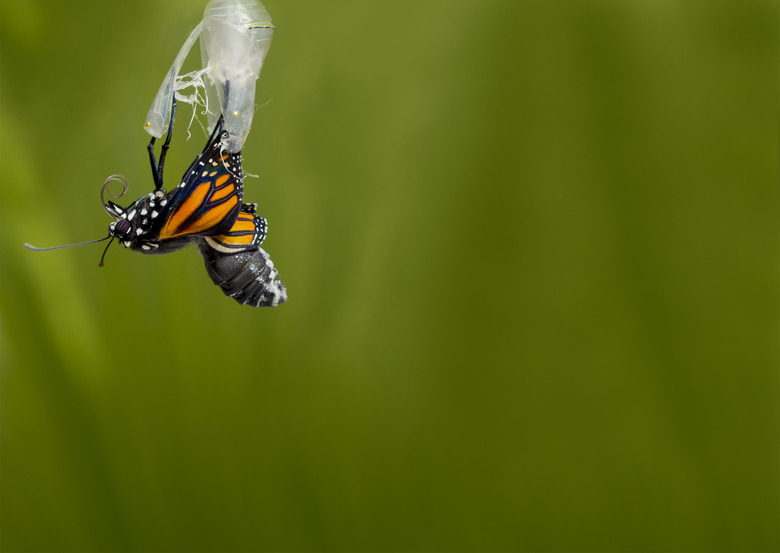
{"points": [[109, 180]]}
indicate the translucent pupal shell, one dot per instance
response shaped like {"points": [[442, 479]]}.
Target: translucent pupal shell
{"points": [[234, 42], [160, 111], [235, 36]]}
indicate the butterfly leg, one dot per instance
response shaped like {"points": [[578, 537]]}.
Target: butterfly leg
{"points": [[153, 161], [164, 149], [157, 171], [221, 123], [216, 132]]}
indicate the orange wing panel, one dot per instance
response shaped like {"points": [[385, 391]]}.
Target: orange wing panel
{"points": [[210, 218], [193, 202], [222, 192]]}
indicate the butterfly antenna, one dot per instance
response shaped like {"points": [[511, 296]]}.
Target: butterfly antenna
{"points": [[33, 248], [104, 252]]}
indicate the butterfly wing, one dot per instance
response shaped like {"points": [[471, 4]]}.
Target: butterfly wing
{"points": [[248, 230], [208, 200]]}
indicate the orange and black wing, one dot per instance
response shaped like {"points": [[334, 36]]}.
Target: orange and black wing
{"points": [[248, 230], [208, 200]]}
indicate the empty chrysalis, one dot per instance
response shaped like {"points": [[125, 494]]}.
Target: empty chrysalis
{"points": [[235, 36]]}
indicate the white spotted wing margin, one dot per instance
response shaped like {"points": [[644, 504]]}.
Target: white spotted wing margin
{"points": [[249, 277]]}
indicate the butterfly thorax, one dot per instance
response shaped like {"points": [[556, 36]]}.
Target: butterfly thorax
{"points": [[205, 203], [138, 226]]}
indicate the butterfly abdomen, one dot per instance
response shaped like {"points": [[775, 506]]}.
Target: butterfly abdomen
{"points": [[249, 277]]}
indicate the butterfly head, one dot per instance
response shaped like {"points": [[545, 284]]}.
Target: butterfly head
{"points": [[120, 229], [137, 225], [128, 226]]}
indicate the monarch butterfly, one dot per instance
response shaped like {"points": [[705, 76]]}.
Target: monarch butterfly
{"points": [[205, 208]]}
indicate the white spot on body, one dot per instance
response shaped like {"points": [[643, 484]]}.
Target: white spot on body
{"points": [[139, 231], [154, 214], [146, 247]]}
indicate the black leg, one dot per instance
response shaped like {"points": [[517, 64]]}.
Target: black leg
{"points": [[164, 149], [216, 132], [157, 171], [153, 161], [220, 123]]}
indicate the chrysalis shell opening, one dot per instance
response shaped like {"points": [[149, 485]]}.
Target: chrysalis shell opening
{"points": [[235, 36]]}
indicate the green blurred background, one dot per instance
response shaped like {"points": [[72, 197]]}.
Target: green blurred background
{"points": [[531, 250]]}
